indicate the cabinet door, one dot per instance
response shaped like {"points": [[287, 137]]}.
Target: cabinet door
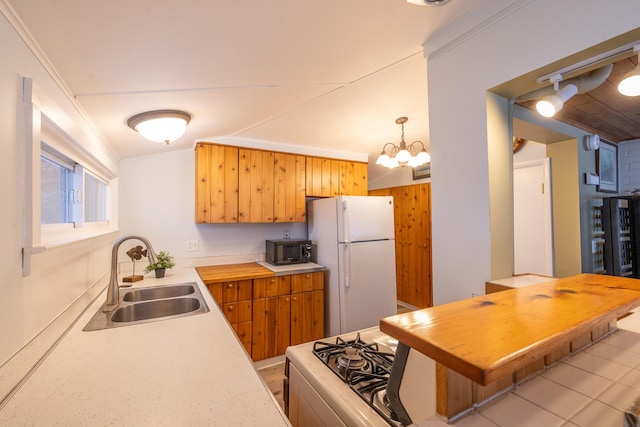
{"points": [[307, 316], [270, 327], [353, 178], [216, 184], [255, 187], [318, 177], [290, 184]]}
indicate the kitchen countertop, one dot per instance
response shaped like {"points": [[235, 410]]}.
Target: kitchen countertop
{"points": [[184, 371], [485, 338], [253, 270]]}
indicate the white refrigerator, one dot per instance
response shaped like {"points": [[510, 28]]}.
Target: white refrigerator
{"points": [[353, 236]]}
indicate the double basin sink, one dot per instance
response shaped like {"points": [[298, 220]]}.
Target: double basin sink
{"points": [[151, 304]]}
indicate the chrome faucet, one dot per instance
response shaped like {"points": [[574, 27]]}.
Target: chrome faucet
{"points": [[113, 292]]}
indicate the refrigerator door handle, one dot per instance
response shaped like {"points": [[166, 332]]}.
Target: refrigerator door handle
{"points": [[346, 262], [345, 222]]}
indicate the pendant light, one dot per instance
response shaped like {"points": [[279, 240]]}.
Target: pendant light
{"points": [[393, 156], [160, 125], [630, 85]]}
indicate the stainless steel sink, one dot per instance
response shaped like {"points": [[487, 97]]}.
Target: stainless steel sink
{"points": [[154, 309], [150, 305], [158, 292]]}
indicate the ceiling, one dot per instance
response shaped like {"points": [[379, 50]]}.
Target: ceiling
{"points": [[602, 111], [333, 74]]}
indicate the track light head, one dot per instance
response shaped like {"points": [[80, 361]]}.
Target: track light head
{"points": [[630, 85], [550, 105]]}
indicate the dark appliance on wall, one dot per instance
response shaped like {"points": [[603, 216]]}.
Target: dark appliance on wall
{"points": [[287, 251]]}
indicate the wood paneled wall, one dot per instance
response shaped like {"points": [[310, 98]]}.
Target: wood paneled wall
{"points": [[413, 242]]}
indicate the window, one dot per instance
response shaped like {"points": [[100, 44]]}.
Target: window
{"points": [[69, 194], [69, 176], [96, 199], [56, 186]]}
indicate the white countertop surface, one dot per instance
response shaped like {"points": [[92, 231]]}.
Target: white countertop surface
{"points": [[305, 267], [178, 372]]}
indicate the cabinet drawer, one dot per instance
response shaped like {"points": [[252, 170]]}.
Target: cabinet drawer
{"points": [[238, 312], [271, 287], [307, 282], [243, 331], [231, 291]]}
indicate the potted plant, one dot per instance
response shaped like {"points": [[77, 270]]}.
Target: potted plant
{"points": [[164, 261]]}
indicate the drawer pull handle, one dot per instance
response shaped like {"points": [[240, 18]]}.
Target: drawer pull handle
{"points": [[230, 285], [230, 308]]}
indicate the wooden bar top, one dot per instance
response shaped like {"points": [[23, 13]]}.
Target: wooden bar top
{"points": [[219, 273], [488, 337]]}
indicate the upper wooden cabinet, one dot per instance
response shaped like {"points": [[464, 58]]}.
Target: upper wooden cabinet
{"points": [[216, 183], [245, 185], [333, 177], [255, 184], [272, 187]]}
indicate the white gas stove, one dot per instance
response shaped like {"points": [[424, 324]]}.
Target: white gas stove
{"points": [[357, 379]]}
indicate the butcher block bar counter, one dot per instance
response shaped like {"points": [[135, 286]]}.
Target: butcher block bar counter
{"points": [[489, 339]]}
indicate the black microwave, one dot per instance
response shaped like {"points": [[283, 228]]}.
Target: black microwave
{"points": [[283, 252]]}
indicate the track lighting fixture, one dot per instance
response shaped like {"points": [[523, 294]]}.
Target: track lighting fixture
{"points": [[550, 105], [630, 85], [160, 125]]}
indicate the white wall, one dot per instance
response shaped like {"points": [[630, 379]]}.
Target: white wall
{"points": [[59, 275], [462, 65], [629, 166], [157, 200], [530, 151], [396, 178]]}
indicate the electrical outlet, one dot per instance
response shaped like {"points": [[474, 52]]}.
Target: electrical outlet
{"points": [[285, 234], [192, 246]]}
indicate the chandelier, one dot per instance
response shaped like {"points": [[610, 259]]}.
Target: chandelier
{"points": [[403, 155]]}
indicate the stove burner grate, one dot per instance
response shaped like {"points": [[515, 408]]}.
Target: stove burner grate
{"points": [[364, 368], [372, 389]]}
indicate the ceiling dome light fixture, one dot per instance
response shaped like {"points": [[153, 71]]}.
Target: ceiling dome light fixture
{"points": [[550, 105], [160, 125], [429, 2], [630, 85], [403, 154]]}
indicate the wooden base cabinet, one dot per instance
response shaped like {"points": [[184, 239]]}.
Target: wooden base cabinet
{"points": [[270, 314], [235, 300], [307, 316], [293, 316]]}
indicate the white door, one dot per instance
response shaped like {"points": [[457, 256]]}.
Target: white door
{"points": [[367, 284], [533, 231]]}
